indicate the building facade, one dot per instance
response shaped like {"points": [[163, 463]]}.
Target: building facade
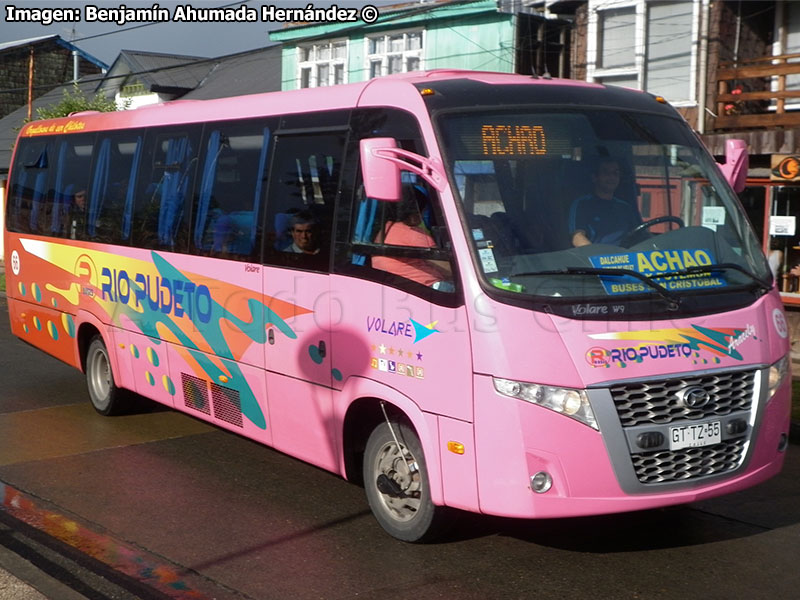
{"points": [[52, 62], [509, 37]]}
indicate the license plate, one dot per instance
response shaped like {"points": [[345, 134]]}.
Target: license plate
{"points": [[694, 436]]}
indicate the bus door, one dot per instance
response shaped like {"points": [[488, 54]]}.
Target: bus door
{"points": [[400, 325], [302, 189], [398, 311]]}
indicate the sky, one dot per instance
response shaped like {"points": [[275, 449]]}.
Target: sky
{"points": [[104, 40]]}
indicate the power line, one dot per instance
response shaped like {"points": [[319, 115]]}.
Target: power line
{"points": [[148, 24]]}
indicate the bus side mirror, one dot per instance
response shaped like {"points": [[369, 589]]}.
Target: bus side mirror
{"points": [[736, 164], [381, 174]]}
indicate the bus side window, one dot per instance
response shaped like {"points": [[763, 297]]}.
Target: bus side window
{"points": [[28, 188], [303, 183], [46, 177], [164, 189], [113, 186], [227, 213], [73, 162], [403, 244], [389, 232]]}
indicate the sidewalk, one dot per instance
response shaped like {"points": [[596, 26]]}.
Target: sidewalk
{"points": [[13, 587]]}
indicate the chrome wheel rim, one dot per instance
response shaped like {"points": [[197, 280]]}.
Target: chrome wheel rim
{"points": [[402, 470], [99, 377]]}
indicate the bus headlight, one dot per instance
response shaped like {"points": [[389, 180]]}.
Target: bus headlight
{"points": [[572, 403], [777, 374]]}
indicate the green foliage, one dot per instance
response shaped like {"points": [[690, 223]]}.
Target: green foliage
{"points": [[75, 101]]}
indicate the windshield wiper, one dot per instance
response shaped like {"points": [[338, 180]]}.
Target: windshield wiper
{"points": [[673, 299], [718, 267]]}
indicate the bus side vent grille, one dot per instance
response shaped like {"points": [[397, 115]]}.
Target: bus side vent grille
{"points": [[195, 393], [227, 406]]}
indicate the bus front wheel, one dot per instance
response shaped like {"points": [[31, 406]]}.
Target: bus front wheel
{"points": [[107, 399], [396, 483]]}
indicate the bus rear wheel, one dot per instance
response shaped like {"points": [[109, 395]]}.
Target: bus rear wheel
{"points": [[107, 399], [396, 483]]}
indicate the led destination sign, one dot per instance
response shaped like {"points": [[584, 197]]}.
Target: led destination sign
{"points": [[513, 140]]}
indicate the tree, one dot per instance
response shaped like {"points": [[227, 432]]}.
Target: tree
{"points": [[76, 101]]}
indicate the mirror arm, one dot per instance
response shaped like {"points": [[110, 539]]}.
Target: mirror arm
{"points": [[429, 169]]}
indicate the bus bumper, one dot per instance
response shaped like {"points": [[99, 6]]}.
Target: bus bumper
{"points": [[515, 440]]}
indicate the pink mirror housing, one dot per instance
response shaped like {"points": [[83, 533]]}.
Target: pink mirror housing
{"points": [[736, 164], [381, 174]]}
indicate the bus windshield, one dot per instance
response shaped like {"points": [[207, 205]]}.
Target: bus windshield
{"points": [[600, 205]]}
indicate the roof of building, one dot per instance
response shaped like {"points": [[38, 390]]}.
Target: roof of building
{"points": [[157, 71], [250, 72], [16, 44]]}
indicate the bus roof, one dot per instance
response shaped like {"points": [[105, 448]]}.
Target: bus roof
{"points": [[381, 90]]}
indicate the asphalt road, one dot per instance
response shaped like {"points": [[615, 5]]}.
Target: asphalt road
{"points": [[159, 505]]}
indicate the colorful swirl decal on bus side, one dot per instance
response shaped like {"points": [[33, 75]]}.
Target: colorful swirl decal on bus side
{"points": [[205, 318], [685, 342]]}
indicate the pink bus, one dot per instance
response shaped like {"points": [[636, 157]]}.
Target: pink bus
{"points": [[462, 290]]}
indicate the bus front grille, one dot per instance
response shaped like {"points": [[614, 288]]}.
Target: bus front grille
{"points": [[689, 463], [654, 407], [658, 402]]}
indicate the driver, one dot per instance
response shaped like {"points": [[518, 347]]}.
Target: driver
{"points": [[601, 217]]}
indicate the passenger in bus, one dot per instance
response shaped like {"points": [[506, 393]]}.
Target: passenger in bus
{"points": [[602, 217], [305, 234], [76, 219], [410, 230]]}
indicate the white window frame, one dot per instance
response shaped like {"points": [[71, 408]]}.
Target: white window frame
{"points": [[780, 46], [316, 60], [382, 58], [596, 73]]}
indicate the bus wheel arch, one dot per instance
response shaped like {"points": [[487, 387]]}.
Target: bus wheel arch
{"points": [[363, 415], [383, 451], [86, 333]]}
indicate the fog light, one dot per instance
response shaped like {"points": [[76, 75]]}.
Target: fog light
{"points": [[541, 482], [736, 426], [650, 439], [784, 441]]}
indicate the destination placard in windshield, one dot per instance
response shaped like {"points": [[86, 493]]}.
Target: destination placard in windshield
{"points": [[659, 264]]}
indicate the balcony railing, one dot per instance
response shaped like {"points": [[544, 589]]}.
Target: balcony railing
{"points": [[747, 97]]}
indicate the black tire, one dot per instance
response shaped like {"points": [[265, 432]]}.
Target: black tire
{"points": [[107, 399], [397, 490]]}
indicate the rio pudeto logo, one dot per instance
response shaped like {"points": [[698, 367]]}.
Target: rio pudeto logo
{"points": [[85, 269], [597, 357]]}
